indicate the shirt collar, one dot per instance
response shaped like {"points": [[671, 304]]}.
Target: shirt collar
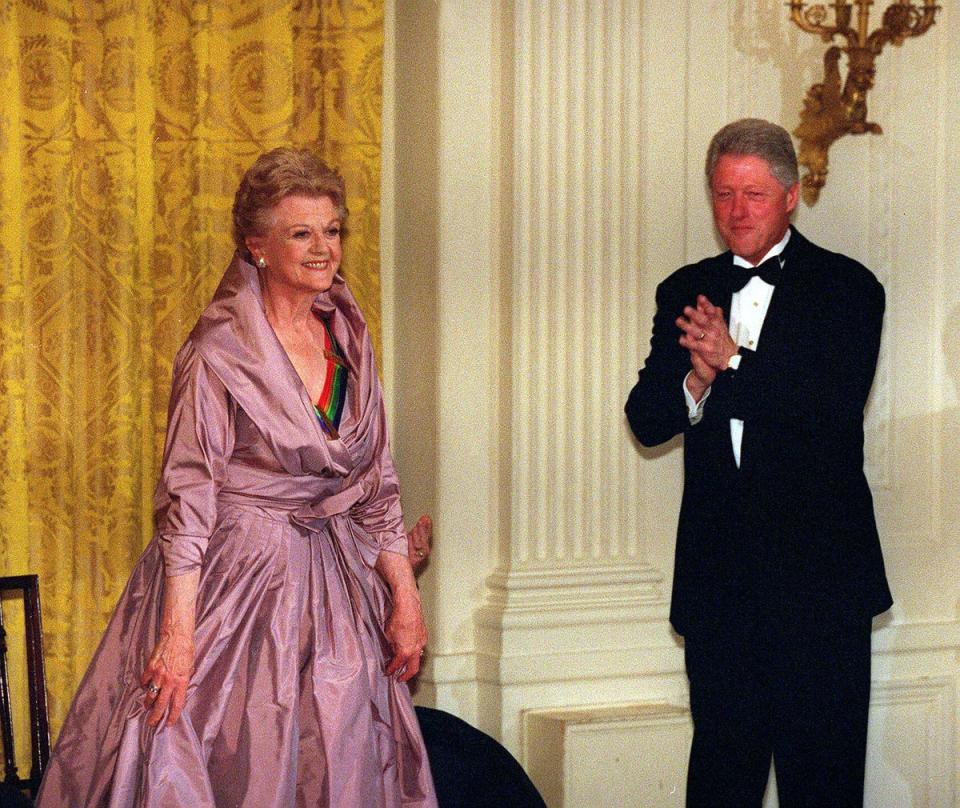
{"points": [[776, 249]]}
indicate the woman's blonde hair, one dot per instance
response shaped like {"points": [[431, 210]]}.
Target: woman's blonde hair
{"points": [[278, 174]]}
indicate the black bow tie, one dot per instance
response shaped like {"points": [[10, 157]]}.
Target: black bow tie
{"points": [[769, 272]]}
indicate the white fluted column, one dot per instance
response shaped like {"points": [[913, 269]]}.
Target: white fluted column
{"points": [[574, 260]]}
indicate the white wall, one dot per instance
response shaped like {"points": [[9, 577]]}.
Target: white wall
{"points": [[544, 173]]}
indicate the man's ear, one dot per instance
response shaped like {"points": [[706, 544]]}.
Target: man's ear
{"points": [[793, 196]]}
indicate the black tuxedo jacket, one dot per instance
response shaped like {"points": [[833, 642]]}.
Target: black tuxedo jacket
{"points": [[792, 531]]}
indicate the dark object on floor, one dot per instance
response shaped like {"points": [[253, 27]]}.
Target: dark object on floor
{"points": [[471, 769], [28, 586], [11, 797]]}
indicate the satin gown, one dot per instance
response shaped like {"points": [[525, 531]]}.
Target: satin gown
{"points": [[288, 704]]}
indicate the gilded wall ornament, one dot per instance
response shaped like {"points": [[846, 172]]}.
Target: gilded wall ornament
{"points": [[834, 108]]}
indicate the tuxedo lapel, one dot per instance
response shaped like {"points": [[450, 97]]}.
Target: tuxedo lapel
{"points": [[717, 284], [780, 326], [790, 295]]}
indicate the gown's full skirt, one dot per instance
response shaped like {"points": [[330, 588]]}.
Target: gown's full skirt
{"points": [[288, 704]]}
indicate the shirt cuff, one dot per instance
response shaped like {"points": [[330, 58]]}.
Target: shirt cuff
{"points": [[694, 408], [734, 362]]}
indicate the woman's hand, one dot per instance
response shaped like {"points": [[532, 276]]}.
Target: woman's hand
{"points": [[167, 675], [405, 629], [170, 666], [407, 635]]}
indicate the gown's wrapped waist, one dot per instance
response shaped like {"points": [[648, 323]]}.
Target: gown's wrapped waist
{"points": [[311, 515]]}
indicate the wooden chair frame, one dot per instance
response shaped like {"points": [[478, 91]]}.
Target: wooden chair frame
{"points": [[29, 586]]}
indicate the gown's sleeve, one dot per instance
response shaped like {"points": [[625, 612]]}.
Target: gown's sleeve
{"points": [[199, 442], [378, 515]]}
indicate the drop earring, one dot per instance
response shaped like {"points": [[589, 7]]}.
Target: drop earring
{"points": [[262, 262]]}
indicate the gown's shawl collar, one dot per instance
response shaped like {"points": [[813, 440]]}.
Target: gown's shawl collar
{"points": [[235, 339]]}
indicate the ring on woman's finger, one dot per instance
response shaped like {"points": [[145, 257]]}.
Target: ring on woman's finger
{"points": [[152, 689]]}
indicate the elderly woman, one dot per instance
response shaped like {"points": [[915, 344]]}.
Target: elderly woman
{"points": [[259, 654]]}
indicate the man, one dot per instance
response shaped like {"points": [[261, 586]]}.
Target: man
{"points": [[763, 358]]}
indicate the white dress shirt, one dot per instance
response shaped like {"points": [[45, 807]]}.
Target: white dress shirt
{"points": [[748, 310]]}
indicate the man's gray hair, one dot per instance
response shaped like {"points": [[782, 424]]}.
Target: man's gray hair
{"points": [[757, 138]]}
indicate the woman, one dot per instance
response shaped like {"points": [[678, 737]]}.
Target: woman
{"points": [[259, 654]]}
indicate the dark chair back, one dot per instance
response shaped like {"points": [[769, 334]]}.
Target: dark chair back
{"points": [[29, 587], [471, 769]]}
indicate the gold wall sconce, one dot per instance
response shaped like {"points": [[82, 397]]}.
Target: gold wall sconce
{"points": [[830, 110]]}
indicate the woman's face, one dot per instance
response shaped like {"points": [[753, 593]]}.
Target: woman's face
{"points": [[302, 247]]}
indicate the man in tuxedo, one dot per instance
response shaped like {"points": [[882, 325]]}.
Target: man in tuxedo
{"points": [[763, 358]]}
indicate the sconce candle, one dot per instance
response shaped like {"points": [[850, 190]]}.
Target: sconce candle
{"points": [[829, 109]]}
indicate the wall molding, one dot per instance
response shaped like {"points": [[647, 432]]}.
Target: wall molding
{"points": [[537, 596], [931, 701]]}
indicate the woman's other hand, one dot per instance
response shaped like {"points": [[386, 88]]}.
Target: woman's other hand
{"points": [[170, 666], [167, 675]]}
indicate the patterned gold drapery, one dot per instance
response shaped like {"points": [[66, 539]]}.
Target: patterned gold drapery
{"points": [[125, 127]]}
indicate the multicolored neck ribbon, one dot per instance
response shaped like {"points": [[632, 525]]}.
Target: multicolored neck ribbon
{"points": [[329, 407]]}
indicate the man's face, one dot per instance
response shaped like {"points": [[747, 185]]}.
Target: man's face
{"points": [[750, 206]]}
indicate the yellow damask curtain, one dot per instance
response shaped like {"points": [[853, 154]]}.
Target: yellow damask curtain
{"points": [[125, 127]]}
